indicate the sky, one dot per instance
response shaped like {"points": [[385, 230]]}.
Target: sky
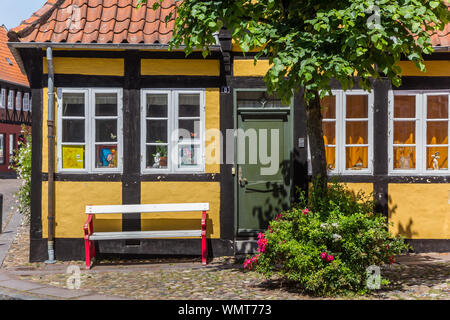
{"points": [[12, 12]]}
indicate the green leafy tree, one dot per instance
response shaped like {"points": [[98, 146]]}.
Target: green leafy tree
{"points": [[311, 42], [22, 166]]}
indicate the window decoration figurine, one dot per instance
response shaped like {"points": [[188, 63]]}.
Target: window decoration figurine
{"points": [[405, 162], [435, 157], [107, 157], [160, 157]]}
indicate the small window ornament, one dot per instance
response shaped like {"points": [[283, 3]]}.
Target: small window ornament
{"points": [[435, 157]]}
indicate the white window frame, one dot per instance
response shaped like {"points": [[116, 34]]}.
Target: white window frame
{"points": [[11, 100], [421, 132], [3, 98], [26, 102], [18, 105], [340, 127], [172, 126], [89, 127]]}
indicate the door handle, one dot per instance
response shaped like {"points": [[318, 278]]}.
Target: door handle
{"points": [[242, 181]]}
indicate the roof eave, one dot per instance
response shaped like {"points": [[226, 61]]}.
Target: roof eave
{"points": [[128, 46], [441, 49]]}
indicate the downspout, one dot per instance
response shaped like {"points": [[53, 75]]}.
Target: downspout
{"points": [[51, 158]]}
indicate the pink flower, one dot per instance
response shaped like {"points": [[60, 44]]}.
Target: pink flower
{"points": [[305, 211], [250, 262], [323, 255], [279, 216], [270, 229], [262, 243], [330, 258]]}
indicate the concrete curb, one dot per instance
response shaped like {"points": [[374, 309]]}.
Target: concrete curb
{"points": [[17, 289]]}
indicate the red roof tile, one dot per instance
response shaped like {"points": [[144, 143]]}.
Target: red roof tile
{"points": [[8, 72], [114, 21], [97, 21]]}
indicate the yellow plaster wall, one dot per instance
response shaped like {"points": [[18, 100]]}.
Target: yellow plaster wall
{"points": [[179, 192], [180, 67], [86, 66], [71, 199], [433, 69], [212, 114], [247, 68], [367, 188], [420, 211]]}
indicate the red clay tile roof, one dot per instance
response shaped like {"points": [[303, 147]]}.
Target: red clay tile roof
{"points": [[8, 72], [442, 38], [97, 21], [114, 21]]}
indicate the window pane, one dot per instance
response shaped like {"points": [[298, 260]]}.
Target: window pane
{"points": [[156, 131], [106, 104], [437, 107], [188, 155], [2, 148], [330, 153], [404, 132], [328, 107], [73, 157], [12, 144], [73, 131], [437, 158], [257, 99], [357, 106], [105, 130], [356, 158], [156, 157], [189, 105], [189, 128], [329, 132], [356, 132], [404, 106], [73, 105], [404, 158], [106, 156], [157, 105], [437, 132]]}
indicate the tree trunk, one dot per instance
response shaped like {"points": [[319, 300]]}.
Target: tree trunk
{"points": [[316, 143]]}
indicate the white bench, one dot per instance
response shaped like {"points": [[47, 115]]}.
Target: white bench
{"points": [[90, 236]]}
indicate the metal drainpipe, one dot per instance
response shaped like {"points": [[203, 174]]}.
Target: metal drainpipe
{"points": [[51, 158]]}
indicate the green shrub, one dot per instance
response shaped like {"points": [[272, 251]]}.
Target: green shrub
{"points": [[325, 244], [22, 166]]}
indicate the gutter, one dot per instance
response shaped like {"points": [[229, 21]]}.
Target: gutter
{"points": [[51, 158]]}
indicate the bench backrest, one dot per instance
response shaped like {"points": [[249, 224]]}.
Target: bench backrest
{"points": [[147, 208]]}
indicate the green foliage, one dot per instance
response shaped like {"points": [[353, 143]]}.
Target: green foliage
{"points": [[326, 248], [22, 166], [311, 42]]}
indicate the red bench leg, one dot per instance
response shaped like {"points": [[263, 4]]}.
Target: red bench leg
{"points": [[87, 249], [204, 244]]}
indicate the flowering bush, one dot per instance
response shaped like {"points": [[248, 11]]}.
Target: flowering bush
{"points": [[22, 166], [326, 244]]}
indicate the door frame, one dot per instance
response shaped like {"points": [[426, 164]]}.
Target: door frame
{"points": [[290, 142]]}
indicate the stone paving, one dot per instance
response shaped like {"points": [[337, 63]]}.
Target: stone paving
{"points": [[416, 276]]}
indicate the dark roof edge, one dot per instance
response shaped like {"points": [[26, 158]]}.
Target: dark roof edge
{"points": [[129, 46]]}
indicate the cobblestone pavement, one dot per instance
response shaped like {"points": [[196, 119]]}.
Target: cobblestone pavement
{"points": [[418, 276]]}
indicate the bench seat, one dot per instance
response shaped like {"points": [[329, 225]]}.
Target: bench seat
{"points": [[144, 234]]}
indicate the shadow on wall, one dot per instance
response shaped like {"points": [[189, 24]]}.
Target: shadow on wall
{"points": [[403, 230]]}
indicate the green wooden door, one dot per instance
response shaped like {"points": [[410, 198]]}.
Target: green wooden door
{"points": [[261, 195]]}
